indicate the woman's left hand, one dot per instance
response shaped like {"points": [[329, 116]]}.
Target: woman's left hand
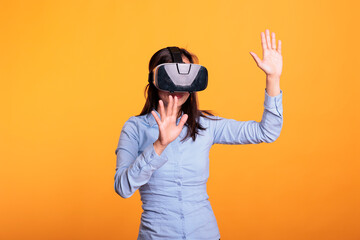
{"points": [[272, 59]]}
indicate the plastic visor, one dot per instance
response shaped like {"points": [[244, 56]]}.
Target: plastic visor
{"points": [[179, 77]]}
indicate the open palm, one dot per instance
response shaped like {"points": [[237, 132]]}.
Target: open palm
{"points": [[272, 60], [168, 130]]}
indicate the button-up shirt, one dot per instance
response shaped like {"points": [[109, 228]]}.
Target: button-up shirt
{"points": [[173, 185]]}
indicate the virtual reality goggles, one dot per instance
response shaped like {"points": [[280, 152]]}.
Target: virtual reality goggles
{"points": [[179, 76]]}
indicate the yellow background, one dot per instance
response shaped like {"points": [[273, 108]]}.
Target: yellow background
{"points": [[72, 72]]}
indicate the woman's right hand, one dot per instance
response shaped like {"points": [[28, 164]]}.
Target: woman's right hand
{"points": [[168, 130]]}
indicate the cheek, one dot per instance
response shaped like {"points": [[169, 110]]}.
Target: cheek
{"points": [[185, 98], [163, 97]]}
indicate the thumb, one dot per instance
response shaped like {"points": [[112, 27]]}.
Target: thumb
{"points": [[158, 121], [183, 120], [256, 58]]}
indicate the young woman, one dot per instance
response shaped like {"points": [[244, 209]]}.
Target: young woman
{"points": [[164, 151]]}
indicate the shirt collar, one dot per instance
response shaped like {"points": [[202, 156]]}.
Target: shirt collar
{"points": [[151, 120]]}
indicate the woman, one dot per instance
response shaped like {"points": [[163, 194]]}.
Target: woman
{"points": [[164, 151]]}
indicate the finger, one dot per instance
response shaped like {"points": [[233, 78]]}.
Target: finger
{"points": [[175, 106], [256, 58], [273, 42], [162, 109], [156, 117], [263, 41], [279, 46], [268, 39], [169, 107], [183, 120]]}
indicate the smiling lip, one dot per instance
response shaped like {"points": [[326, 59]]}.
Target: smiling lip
{"points": [[177, 95]]}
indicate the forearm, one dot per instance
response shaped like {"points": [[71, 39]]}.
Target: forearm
{"points": [[132, 174], [273, 85]]}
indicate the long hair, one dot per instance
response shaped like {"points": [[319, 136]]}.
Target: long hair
{"points": [[190, 107]]}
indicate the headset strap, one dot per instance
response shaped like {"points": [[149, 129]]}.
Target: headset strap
{"points": [[176, 57], [175, 54]]}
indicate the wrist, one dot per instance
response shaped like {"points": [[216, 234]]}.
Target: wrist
{"points": [[273, 85], [159, 145], [159, 148], [273, 78]]}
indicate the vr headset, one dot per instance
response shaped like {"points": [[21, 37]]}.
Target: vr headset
{"points": [[179, 76]]}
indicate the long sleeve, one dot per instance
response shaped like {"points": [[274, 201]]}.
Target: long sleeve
{"points": [[133, 170], [230, 131]]}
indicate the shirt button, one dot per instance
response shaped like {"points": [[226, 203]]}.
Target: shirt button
{"points": [[184, 237], [178, 183]]}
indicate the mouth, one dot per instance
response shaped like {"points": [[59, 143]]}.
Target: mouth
{"points": [[178, 95]]}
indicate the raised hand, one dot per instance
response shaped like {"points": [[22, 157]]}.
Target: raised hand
{"points": [[168, 130], [272, 59]]}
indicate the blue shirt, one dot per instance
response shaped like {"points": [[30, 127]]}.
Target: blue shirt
{"points": [[173, 185]]}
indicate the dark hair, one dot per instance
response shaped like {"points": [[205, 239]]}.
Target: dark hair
{"points": [[190, 107]]}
